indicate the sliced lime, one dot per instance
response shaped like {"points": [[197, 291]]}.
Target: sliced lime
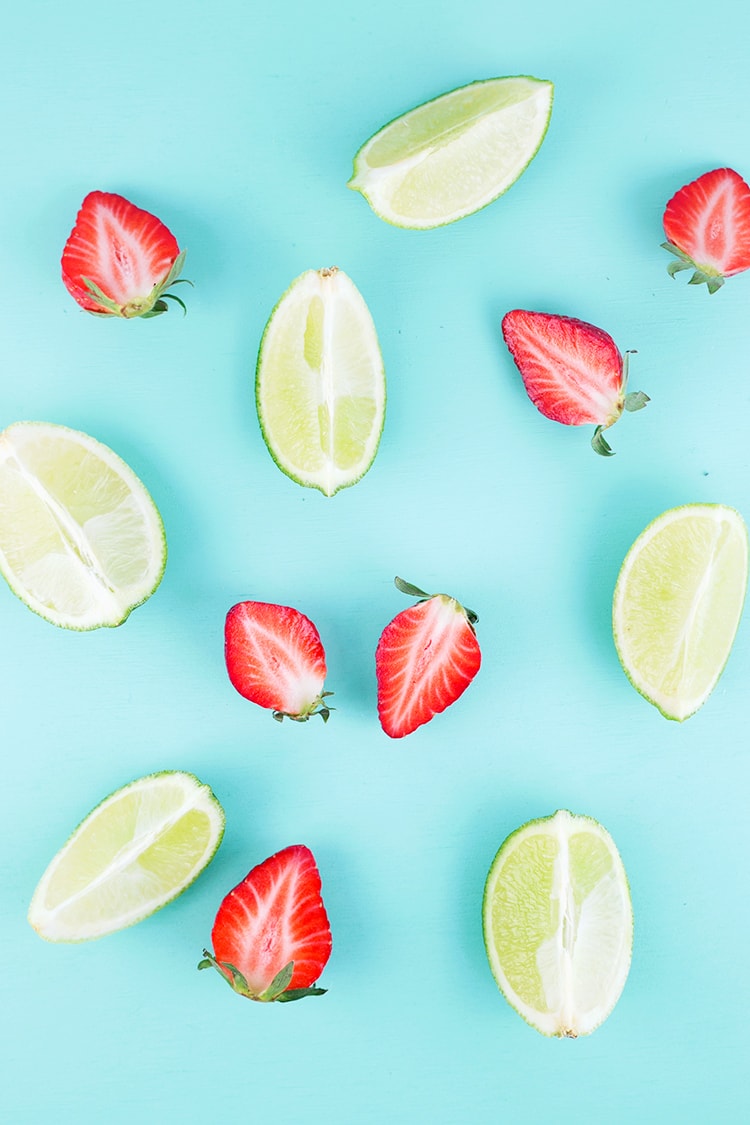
{"points": [[81, 541], [454, 154], [320, 384], [139, 849], [678, 602], [558, 923]]}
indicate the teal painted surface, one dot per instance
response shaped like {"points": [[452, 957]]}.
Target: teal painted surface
{"points": [[237, 126]]}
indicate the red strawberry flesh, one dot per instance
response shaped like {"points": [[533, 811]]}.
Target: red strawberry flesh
{"points": [[572, 370], [126, 252], [708, 220], [275, 658], [425, 659], [273, 917]]}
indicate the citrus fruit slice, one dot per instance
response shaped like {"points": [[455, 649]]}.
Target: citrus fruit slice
{"points": [[558, 923], [81, 541], [139, 849], [454, 154], [320, 384], [678, 602]]}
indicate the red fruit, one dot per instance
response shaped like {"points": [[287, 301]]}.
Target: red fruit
{"points": [[275, 659], [271, 936], [425, 659], [573, 372], [707, 223], [120, 260]]}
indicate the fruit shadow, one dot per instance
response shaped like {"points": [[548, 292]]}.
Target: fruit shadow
{"points": [[613, 529]]}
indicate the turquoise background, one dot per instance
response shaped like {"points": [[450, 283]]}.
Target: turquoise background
{"points": [[237, 125]]}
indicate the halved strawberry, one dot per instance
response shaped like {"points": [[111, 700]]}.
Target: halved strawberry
{"points": [[120, 260], [707, 223], [425, 659], [573, 372], [275, 658], [271, 937]]}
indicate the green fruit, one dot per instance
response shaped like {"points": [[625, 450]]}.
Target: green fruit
{"points": [[320, 384], [558, 923], [81, 540], [454, 154], [139, 849], [678, 602]]}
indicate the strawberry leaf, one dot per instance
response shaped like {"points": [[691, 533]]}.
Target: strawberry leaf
{"points": [[636, 400], [409, 589], [299, 994], [279, 983], [600, 444]]}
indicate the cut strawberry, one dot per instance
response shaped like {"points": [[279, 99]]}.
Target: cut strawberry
{"points": [[707, 223], [425, 659], [120, 260], [271, 937], [275, 658], [573, 372]]}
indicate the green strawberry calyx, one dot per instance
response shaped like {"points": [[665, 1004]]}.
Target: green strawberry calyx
{"points": [[702, 275], [153, 305], [317, 707], [278, 989], [628, 400]]}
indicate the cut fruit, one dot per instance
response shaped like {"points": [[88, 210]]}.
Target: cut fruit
{"points": [[455, 154], [139, 849], [81, 540], [558, 923], [677, 605], [320, 384]]}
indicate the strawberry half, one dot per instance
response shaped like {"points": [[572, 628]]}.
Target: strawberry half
{"points": [[425, 659], [573, 372], [707, 223], [275, 658], [120, 260], [271, 937]]}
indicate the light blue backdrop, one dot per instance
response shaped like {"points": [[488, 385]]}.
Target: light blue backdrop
{"points": [[237, 124]]}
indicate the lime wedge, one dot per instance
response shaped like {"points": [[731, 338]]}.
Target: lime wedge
{"points": [[454, 154], [677, 605], [81, 541], [139, 849], [320, 384], [558, 923]]}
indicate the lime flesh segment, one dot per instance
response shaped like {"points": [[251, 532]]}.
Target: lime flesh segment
{"points": [[452, 156], [81, 541], [558, 923], [139, 849], [320, 383], [678, 602]]}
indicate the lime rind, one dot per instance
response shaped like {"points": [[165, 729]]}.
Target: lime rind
{"points": [[114, 606], [369, 180], [47, 918], [286, 386], [563, 974], [675, 706]]}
